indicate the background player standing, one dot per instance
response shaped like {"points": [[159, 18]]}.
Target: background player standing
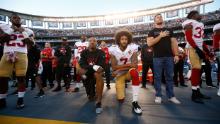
{"points": [[79, 47], [194, 30], [15, 39]]}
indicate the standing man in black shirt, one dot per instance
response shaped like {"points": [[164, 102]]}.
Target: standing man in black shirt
{"points": [[165, 55], [147, 62], [63, 56], [34, 69], [178, 68], [92, 63], [33, 60]]}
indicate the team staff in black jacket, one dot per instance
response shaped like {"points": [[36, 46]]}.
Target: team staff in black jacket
{"points": [[63, 56], [91, 63], [147, 61], [33, 60], [34, 69]]}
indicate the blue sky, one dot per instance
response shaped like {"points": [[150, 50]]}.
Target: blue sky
{"points": [[86, 7]]}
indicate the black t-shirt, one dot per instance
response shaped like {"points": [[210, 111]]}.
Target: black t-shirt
{"points": [[163, 47], [33, 55], [63, 53], [90, 58], [146, 54]]}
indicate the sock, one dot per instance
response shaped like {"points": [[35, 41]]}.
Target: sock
{"points": [[78, 78], [77, 85], [134, 77], [21, 94], [195, 77], [194, 87], [135, 91], [2, 96]]}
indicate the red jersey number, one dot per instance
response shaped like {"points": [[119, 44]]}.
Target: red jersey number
{"points": [[124, 60], [13, 43], [81, 48], [199, 32]]}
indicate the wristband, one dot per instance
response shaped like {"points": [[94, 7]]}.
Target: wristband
{"points": [[95, 67]]}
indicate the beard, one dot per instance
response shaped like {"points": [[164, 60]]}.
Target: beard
{"points": [[123, 45], [17, 24], [159, 23]]}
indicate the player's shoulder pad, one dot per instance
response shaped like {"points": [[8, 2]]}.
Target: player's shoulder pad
{"points": [[77, 43], [29, 32], [133, 47], [188, 23], [6, 28]]}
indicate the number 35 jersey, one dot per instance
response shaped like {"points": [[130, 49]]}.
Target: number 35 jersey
{"points": [[15, 44], [198, 31], [123, 57]]}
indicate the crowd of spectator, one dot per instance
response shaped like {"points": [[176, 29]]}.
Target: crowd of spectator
{"points": [[138, 29]]}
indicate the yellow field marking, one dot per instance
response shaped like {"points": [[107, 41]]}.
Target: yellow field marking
{"points": [[24, 120]]}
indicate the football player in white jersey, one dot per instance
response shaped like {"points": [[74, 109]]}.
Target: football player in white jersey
{"points": [[15, 39], [194, 30], [124, 64], [79, 47]]}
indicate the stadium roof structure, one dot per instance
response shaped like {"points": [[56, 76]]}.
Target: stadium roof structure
{"points": [[145, 12]]}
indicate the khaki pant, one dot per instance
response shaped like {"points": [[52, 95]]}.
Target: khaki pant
{"points": [[20, 66], [120, 84], [194, 59]]}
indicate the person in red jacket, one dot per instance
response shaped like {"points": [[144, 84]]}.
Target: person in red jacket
{"points": [[47, 54], [104, 48]]}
